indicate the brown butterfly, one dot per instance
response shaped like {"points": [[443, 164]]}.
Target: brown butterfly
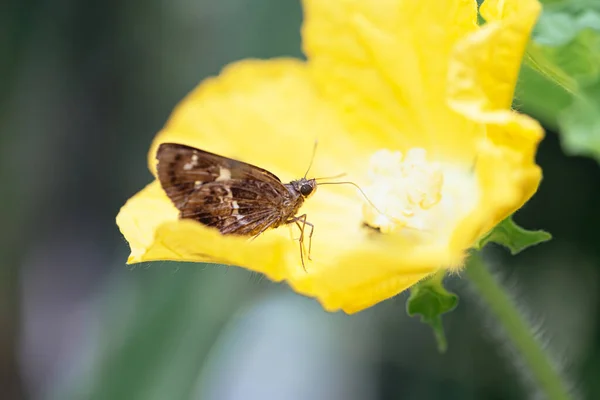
{"points": [[235, 197]]}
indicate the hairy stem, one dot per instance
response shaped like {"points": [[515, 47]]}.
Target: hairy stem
{"points": [[518, 330]]}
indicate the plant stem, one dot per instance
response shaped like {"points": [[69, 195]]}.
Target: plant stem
{"points": [[518, 330]]}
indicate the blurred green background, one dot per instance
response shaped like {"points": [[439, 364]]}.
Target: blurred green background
{"points": [[85, 85]]}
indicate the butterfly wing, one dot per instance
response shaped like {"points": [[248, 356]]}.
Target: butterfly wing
{"points": [[230, 195]]}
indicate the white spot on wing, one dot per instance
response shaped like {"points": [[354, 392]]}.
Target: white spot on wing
{"points": [[191, 164], [224, 175], [235, 207]]}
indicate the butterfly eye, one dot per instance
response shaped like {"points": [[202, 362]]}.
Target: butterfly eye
{"points": [[306, 189]]}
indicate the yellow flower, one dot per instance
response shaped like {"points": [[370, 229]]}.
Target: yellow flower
{"points": [[411, 99]]}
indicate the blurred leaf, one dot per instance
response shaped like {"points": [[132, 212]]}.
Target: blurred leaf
{"points": [[580, 124], [570, 55], [532, 88], [565, 50], [540, 61], [157, 331], [430, 300], [512, 236]]}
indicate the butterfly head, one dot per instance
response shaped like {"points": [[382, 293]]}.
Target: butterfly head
{"points": [[306, 187]]}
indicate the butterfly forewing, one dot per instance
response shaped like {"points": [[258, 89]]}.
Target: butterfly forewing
{"points": [[230, 195]]}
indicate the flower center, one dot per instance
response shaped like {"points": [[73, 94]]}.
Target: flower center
{"points": [[415, 195]]}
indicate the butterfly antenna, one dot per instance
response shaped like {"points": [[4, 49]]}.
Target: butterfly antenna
{"points": [[370, 202], [312, 158], [361, 192], [332, 177]]}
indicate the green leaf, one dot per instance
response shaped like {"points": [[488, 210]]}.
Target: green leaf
{"points": [[565, 51], [430, 300], [580, 124], [578, 59], [531, 91], [512, 236]]}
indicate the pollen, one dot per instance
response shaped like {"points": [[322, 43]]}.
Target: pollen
{"points": [[412, 194]]}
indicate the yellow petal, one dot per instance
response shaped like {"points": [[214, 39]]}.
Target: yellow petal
{"points": [[485, 64], [384, 64], [266, 113], [355, 267], [150, 224], [483, 73], [508, 177], [524, 10]]}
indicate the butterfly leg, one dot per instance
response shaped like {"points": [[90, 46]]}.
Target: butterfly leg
{"points": [[301, 223], [301, 241], [312, 229]]}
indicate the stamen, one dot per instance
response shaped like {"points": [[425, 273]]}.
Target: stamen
{"points": [[403, 188]]}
